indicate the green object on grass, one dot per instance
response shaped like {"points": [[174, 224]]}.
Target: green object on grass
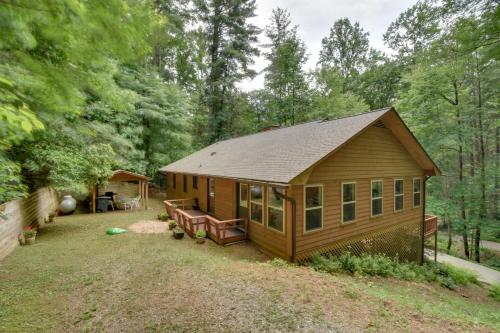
{"points": [[115, 231]]}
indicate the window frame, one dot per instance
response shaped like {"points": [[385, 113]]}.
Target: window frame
{"points": [[399, 195], [247, 201], [193, 182], [372, 198], [419, 192], [342, 203], [283, 209], [184, 183], [305, 231], [262, 223]]}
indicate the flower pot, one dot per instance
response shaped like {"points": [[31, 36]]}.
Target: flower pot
{"points": [[68, 205], [29, 240], [171, 227], [200, 240], [178, 234]]}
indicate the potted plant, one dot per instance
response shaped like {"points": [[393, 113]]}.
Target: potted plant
{"points": [[171, 225], [29, 235], [178, 233], [51, 217], [163, 217], [200, 236]]}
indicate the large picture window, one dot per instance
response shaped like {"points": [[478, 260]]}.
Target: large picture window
{"points": [[275, 209], [398, 194], [348, 202], [313, 207], [195, 182], [185, 183], [256, 202], [377, 189], [417, 183], [174, 181]]}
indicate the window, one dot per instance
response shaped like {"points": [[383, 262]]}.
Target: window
{"points": [[313, 208], [174, 180], [377, 188], [275, 209], [348, 202], [195, 182], [398, 194], [185, 183], [416, 192], [244, 195], [256, 201]]}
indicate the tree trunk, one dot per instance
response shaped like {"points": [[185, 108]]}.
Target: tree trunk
{"points": [[461, 175], [213, 97], [482, 161]]}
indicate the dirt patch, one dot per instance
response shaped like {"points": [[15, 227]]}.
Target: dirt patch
{"points": [[149, 227]]}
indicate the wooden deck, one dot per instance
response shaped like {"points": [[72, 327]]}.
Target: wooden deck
{"points": [[221, 231], [430, 225]]}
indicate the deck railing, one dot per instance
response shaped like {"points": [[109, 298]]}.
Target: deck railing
{"points": [[191, 223], [221, 231], [172, 205], [226, 231], [430, 225]]}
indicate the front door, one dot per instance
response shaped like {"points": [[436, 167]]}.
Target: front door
{"points": [[211, 195], [242, 199]]}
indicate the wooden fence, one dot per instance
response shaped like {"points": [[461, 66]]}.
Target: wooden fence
{"points": [[19, 213]]}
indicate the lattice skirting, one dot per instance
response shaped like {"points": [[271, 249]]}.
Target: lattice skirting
{"points": [[402, 241]]}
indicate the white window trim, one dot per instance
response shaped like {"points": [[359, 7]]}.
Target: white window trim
{"points": [[315, 207], [419, 192], [399, 195], [381, 197], [283, 209], [348, 202], [256, 203], [239, 197]]}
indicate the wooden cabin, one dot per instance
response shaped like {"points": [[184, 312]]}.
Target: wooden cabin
{"points": [[350, 184]]}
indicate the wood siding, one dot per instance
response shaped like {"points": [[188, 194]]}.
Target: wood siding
{"points": [[271, 241], [178, 193], [374, 155]]}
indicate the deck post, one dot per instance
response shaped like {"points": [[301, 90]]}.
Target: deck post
{"points": [[146, 192], [435, 244]]}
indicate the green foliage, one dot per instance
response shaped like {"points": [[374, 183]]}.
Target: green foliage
{"points": [[229, 50], [345, 49], [285, 80], [172, 224], [280, 263], [11, 182], [494, 292], [66, 161], [163, 217], [29, 233], [201, 234], [381, 265]]}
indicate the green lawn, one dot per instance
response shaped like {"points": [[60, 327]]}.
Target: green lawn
{"points": [[76, 278]]}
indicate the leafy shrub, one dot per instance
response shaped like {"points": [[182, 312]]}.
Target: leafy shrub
{"points": [[201, 234], [381, 265], [29, 233], [172, 224], [495, 292], [278, 262], [163, 216]]}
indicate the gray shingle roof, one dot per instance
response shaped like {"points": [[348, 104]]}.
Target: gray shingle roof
{"points": [[277, 155]]}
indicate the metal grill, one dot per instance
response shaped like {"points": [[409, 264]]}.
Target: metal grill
{"points": [[402, 241]]}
